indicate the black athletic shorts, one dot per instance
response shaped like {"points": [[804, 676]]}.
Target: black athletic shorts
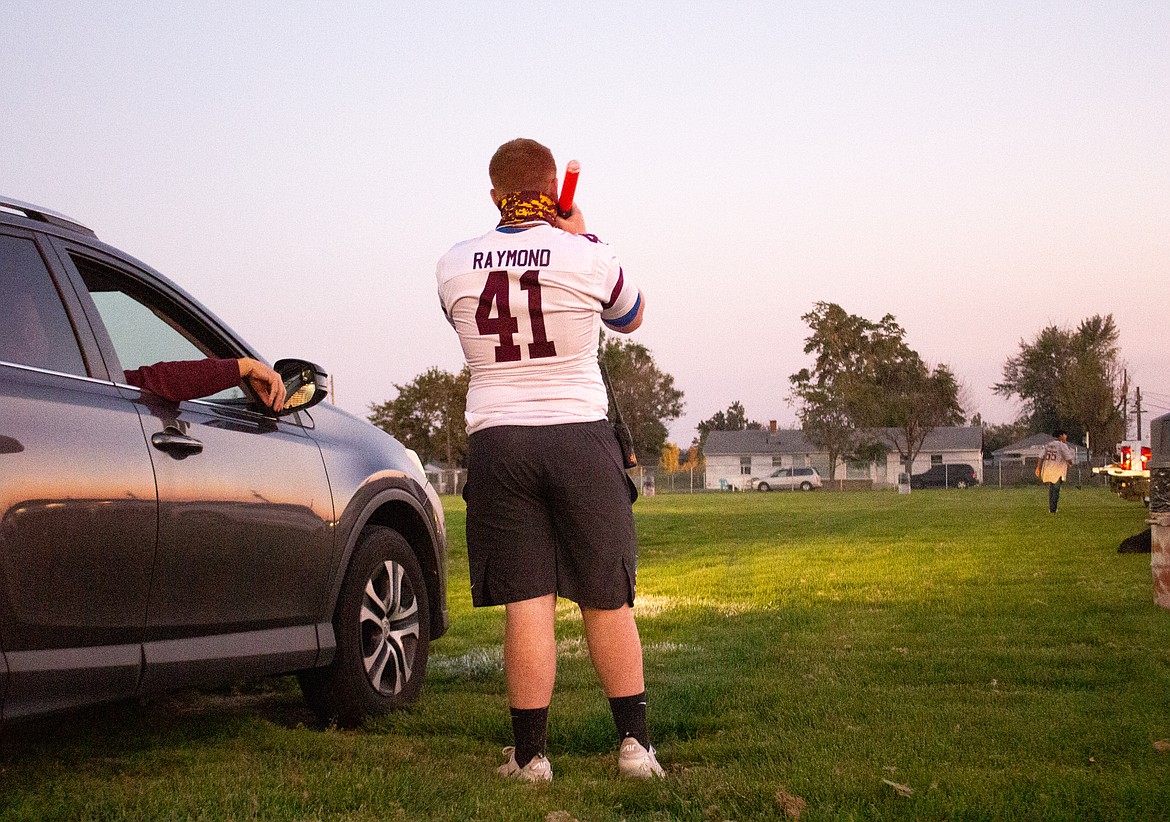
{"points": [[548, 511]]}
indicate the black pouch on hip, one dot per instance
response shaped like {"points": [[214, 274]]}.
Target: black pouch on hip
{"points": [[620, 430], [625, 442]]}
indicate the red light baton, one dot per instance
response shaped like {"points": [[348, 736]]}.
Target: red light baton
{"points": [[568, 188]]}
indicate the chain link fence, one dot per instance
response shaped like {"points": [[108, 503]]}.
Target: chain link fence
{"points": [[447, 480], [1013, 474], [657, 480]]}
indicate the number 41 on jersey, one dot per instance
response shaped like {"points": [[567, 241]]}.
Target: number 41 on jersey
{"points": [[503, 325]]}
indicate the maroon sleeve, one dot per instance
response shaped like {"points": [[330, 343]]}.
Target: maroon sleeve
{"points": [[186, 379]]}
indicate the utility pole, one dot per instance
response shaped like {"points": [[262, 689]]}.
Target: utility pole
{"points": [[1125, 402], [1137, 402]]}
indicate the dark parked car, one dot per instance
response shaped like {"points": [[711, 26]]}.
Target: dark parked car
{"points": [[149, 545], [951, 475]]}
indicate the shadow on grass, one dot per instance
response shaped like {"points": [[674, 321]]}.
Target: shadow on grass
{"points": [[133, 727]]}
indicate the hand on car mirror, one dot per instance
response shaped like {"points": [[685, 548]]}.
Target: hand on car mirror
{"points": [[305, 384], [267, 384]]}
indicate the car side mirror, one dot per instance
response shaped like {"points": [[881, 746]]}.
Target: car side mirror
{"points": [[305, 384]]}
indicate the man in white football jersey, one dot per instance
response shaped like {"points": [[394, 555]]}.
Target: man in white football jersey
{"points": [[548, 500], [1053, 466]]}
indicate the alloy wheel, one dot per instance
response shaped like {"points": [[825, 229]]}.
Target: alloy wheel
{"points": [[389, 627]]}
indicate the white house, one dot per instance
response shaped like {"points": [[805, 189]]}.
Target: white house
{"points": [[734, 457]]}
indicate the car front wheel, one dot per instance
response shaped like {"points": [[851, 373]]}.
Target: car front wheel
{"points": [[763, 486], [806, 486], [382, 626]]}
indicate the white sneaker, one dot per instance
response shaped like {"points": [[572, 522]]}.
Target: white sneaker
{"points": [[636, 762], [538, 769]]}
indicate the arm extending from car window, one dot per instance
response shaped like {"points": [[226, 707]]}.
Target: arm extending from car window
{"points": [[179, 380]]}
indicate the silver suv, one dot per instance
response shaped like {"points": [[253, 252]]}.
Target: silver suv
{"points": [[789, 479], [148, 545]]}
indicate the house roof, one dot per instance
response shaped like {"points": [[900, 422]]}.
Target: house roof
{"points": [[780, 441], [1034, 443], [948, 438], [793, 441], [1033, 446]]}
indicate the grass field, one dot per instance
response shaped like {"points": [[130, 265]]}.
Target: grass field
{"points": [[821, 653]]}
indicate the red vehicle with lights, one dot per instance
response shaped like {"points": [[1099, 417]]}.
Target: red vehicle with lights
{"points": [[1129, 474]]}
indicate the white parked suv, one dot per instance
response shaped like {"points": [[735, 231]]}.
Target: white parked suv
{"points": [[789, 479]]}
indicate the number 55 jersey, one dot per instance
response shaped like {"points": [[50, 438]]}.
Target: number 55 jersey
{"points": [[528, 304]]}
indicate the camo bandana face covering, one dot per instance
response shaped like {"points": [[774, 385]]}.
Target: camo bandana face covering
{"points": [[525, 207]]}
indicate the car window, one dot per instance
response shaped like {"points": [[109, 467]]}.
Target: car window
{"points": [[144, 326], [34, 328]]}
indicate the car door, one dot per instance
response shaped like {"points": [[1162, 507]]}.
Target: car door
{"points": [[78, 509], [245, 513]]}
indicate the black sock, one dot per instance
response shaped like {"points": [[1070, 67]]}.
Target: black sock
{"points": [[629, 715], [530, 730]]}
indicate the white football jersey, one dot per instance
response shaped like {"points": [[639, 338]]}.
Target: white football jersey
{"points": [[528, 305]]}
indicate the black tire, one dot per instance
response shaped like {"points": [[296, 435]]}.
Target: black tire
{"points": [[961, 484], [383, 629], [763, 486], [806, 486]]}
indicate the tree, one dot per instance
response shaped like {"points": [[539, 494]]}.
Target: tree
{"points": [[824, 418], [733, 419], [831, 394], [1089, 389], [669, 459], [1001, 435], [864, 379], [427, 415], [645, 394], [909, 401], [1069, 378]]}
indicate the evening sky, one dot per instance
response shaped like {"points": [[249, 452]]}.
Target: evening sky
{"points": [[979, 170]]}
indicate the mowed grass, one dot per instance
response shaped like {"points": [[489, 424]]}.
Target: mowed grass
{"points": [[822, 653]]}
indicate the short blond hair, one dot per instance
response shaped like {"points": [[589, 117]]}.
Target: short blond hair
{"points": [[522, 165]]}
